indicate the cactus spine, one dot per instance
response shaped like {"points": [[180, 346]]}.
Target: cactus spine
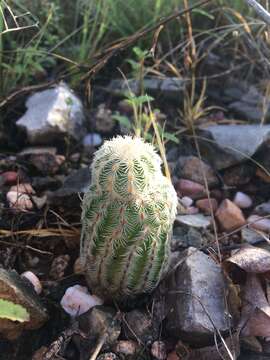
{"points": [[127, 218]]}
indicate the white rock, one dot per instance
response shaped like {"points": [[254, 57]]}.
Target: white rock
{"points": [[19, 201], [53, 114], [259, 223], [92, 140], [77, 300], [186, 201], [34, 280], [242, 200]]}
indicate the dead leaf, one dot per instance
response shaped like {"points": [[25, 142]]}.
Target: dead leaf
{"points": [[251, 259], [255, 319]]}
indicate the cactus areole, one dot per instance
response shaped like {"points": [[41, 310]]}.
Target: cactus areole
{"points": [[127, 218]]}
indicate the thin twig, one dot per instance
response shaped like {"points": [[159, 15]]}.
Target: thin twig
{"points": [[260, 10]]}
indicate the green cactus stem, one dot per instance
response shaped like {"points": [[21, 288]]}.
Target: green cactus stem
{"points": [[127, 218]]}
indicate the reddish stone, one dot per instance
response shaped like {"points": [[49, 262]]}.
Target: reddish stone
{"points": [[173, 356], [229, 216], [9, 177], [205, 205], [190, 188]]}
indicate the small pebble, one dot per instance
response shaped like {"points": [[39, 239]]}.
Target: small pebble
{"points": [[23, 188], [242, 200], [263, 209], [186, 201], [259, 223], [34, 280], [75, 157], [205, 205], [9, 177], [92, 140], [19, 201], [59, 266], [191, 210], [77, 300], [126, 347], [189, 188], [158, 350], [173, 356]]}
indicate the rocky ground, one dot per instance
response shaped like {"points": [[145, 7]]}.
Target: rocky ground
{"points": [[213, 304]]}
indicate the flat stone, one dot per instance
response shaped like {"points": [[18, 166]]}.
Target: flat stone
{"points": [[198, 280], [196, 221], [228, 145]]}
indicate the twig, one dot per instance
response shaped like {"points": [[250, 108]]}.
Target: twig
{"points": [[260, 10]]}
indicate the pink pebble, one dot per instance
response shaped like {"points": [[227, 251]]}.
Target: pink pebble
{"points": [[19, 201], [77, 300], [189, 188], [34, 280], [23, 188], [242, 200], [9, 177], [259, 223]]}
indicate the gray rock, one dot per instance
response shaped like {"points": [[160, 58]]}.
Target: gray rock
{"points": [[197, 220], [53, 114], [77, 182], [170, 88], [195, 299], [263, 209], [139, 324], [251, 236], [192, 168], [186, 236], [227, 145]]}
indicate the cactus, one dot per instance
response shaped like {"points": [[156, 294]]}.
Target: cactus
{"points": [[127, 218]]}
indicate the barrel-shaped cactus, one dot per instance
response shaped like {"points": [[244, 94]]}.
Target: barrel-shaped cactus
{"points": [[127, 218]]}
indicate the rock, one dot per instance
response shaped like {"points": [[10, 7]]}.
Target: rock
{"points": [[34, 280], [250, 104], [194, 169], [233, 143], [77, 300], [205, 205], [263, 209], [263, 175], [186, 201], [104, 120], [242, 200], [229, 216], [23, 188], [9, 177], [126, 347], [238, 175], [17, 290], [77, 182], [44, 159], [91, 141], [190, 188], [19, 201], [75, 158], [98, 321], [251, 236], [58, 266], [41, 183], [259, 223], [52, 115], [173, 356], [196, 221], [158, 350], [170, 88], [194, 290], [141, 325], [185, 236], [192, 210], [108, 356]]}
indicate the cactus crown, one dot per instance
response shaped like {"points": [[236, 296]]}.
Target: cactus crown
{"points": [[127, 218]]}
